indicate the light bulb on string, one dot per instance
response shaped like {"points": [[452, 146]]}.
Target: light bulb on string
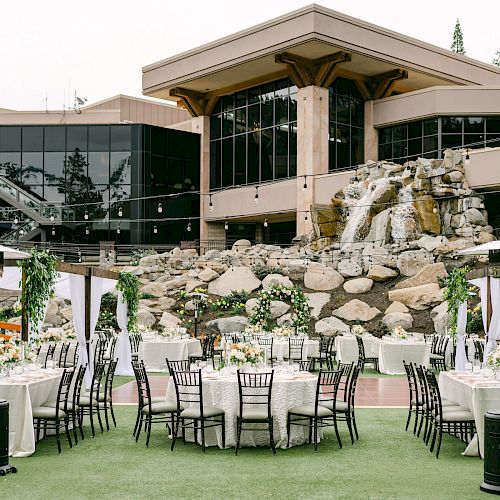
{"points": [[118, 230], [434, 210], [53, 230], [155, 229], [265, 223], [86, 215], [210, 204], [304, 187], [120, 212], [256, 197], [87, 230], [189, 226], [467, 158], [305, 217], [226, 226], [160, 208], [51, 217], [16, 220]]}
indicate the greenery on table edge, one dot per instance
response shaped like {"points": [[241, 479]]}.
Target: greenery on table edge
{"points": [[41, 274], [456, 292], [129, 285], [301, 312]]}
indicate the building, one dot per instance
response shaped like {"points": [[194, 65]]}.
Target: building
{"points": [[285, 110], [95, 174]]}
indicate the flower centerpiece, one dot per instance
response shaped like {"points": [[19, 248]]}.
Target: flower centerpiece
{"points": [[171, 331], [399, 333], [70, 334], [253, 329], [49, 336], [493, 360], [10, 352], [282, 331], [357, 330], [244, 352]]}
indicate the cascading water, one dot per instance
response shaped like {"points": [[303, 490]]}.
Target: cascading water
{"points": [[403, 223], [359, 210]]}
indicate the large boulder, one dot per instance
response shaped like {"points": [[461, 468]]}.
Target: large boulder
{"points": [[391, 320], [166, 303], [349, 268], [276, 279], [316, 302], [453, 246], [430, 243], [208, 275], [396, 307], [193, 284], [241, 245], [358, 285], [356, 310], [321, 277], [410, 262], [66, 313], [168, 319], [475, 217], [380, 229], [277, 307], [328, 220], [380, 273], [441, 318], [428, 214], [428, 274], [227, 325], [419, 297], [330, 326], [145, 318], [234, 279]]}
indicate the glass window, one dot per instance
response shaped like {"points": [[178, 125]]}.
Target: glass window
{"points": [[241, 121], [292, 107], [400, 151], [343, 109], [399, 132], [191, 175], [32, 170], [452, 124], [55, 139], [451, 141], [415, 147], [54, 193], [241, 98], [98, 167], [473, 124], [215, 164], [120, 167], [384, 135], [99, 138], [253, 170], [342, 141], [32, 138], [77, 138], [228, 123], [228, 102], [121, 137], [267, 113], [266, 155], [10, 138], [54, 166], [474, 141], [240, 160], [357, 146], [431, 145], [281, 153], [227, 162], [215, 126], [175, 175], [492, 124], [10, 166], [430, 126], [415, 129], [254, 117], [385, 151], [158, 141], [281, 110]]}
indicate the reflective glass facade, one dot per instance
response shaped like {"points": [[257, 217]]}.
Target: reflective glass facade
{"points": [[346, 121], [253, 135], [429, 138], [100, 169]]}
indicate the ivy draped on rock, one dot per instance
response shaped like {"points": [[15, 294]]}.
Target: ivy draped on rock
{"points": [[301, 312], [129, 284], [457, 290], [41, 274]]}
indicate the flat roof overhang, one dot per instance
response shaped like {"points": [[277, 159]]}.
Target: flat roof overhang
{"points": [[247, 58]]}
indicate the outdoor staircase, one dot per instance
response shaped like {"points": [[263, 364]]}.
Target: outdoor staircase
{"points": [[24, 232]]}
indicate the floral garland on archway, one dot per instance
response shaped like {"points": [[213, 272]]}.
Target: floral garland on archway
{"points": [[261, 314]]}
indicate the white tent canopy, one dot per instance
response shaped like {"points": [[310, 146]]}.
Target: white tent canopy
{"points": [[483, 249], [12, 253]]}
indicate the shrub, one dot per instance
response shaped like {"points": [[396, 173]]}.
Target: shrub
{"points": [[236, 297], [9, 312], [147, 296], [379, 330], [107, 315], [262, 271], [137, 255]]}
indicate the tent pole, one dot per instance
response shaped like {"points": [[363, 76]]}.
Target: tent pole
{"points": [[24, 311], [489, 308], [88, 297]]}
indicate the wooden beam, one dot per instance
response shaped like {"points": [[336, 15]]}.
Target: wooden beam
{"points": [[381, 84], [98, 272], [363, 89], [192, 100], [192, 94], [211, 102]]}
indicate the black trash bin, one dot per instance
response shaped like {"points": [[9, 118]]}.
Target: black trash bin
{"points": [[4, 439], [491, 482]]}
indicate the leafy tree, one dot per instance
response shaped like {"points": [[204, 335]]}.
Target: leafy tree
{"points": [[458, 39], [496, 60]]}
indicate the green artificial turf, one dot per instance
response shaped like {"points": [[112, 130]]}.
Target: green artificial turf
{"points": [[386, 463]]}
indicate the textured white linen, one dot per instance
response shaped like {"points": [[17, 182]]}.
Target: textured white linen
{"points": [[391, 354], [461, 356], [286, 393], [347, 347], [23, 396], [155, 353], [475, 393], [280, 349], [123, 352]]}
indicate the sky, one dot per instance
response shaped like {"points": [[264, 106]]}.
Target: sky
{"points": [[50, 48]]}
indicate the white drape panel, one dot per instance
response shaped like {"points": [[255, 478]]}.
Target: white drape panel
{"points": [[460, 356], [40, 322], [494, 331], [123, 353], [481, 283], [77, 296]]}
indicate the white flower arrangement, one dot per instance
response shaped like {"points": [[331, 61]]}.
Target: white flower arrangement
{"points": [[253, 329], [10, 352], [242, 353], [493, 360], [49, 337], [282, 331], [399, 333], [357, 330], [70, 334], [172, 331]]}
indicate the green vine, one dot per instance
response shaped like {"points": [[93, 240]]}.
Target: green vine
{"points": [[41, 273], [129, 284], [294, 295], [456, 293]]}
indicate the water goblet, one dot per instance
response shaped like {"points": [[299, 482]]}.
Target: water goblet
{"points": [[468, 367]]}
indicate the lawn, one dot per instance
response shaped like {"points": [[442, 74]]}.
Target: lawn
{"points": [[386, 463]]}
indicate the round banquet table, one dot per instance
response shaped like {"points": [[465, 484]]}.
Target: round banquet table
{"points": [[280, 348], [392, 353], [155, 352], [289, 390]]}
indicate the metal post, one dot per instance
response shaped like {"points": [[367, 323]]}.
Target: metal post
{"points": [[24, 310], [88, 298]]}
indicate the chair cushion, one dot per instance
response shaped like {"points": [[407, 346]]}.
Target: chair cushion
{"points": [[100, 396], [448, 402], [310, 411], [340, 406], [458, 416], [255, 413], [85, 401], [208, 411], [160, 407], [47, 412], [53, 404], [436, 356], [448, 409]]}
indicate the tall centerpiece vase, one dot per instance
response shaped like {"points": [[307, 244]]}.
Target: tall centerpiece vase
{"points": [[8, 371]]}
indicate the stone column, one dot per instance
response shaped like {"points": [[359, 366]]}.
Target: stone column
{"points": [[312, 148], [371, 134], [201, 125]]}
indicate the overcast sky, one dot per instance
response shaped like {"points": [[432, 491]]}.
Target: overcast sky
{"points": [[48, 48]]}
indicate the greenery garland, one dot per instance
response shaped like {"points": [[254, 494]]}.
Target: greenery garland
{"points": [[41, 273], [457, 291], [129, 285], [294, 295]]}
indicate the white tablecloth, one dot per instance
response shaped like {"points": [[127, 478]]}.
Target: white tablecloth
{"points": [[24, 394], [286, 393], [155, 353], [71, 352], [280, 349], [347, 347], [475, 393], [391, 354]]}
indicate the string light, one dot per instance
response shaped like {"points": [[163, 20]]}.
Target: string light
{"points": [[265, 223], [467, 157], [305, 217], [304, 187], [118, 230], [87, 230], [155, 230], [16, 220], [51, 217], [256, 197], [160, 208], [189, 226], [53, 230], [226, 226], [210, 204], [120, 212], [434, 210], [86, 215]]}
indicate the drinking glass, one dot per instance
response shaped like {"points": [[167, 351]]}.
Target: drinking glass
{"points": [[50, 364], [476, 367], [468, 367]]}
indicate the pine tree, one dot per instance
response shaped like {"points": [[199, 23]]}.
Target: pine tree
{"points": [[496, 61], [458, 39]]}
